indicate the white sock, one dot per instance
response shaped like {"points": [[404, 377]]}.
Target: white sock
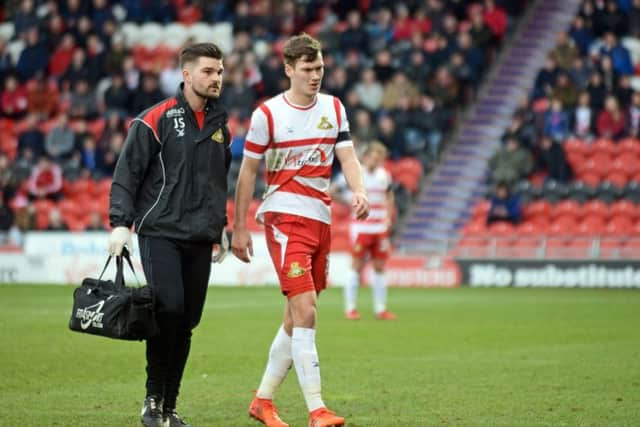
{"points": [[379, 288], [277, 366], [305, 359], [351, 291]]}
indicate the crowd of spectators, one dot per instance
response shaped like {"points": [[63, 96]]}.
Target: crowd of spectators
{"points": [[587, 89], [70, 83]]}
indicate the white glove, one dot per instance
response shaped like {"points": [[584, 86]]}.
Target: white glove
{"points": [[223, 248], [119, 238]]}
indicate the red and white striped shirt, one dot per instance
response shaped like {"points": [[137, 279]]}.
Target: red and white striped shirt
{"points": [[298, 144]]}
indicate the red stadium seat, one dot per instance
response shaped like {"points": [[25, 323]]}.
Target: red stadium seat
{"points": [[600, 164], [475, 228], [605, 146], [591, 225], [563, 225], [539, 208], [616, 178], [620, 225], [566, 208], [626, 164], [576, 159], [624, 208], [501, 228], [103, 187], [532, 228], [575, 145], [629, 146], [595, 208], [481, 209], [589, 178]]}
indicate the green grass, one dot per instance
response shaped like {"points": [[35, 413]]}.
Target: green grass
{"points": [[462, 357]]}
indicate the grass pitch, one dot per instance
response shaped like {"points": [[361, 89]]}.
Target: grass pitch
{"points": [[460, 357]]}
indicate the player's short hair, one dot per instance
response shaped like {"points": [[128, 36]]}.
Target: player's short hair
{"points": [[302, 46], [192, 52], [375, 146]]}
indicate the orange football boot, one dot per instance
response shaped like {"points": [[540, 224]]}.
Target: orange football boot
{"points": [[322, 417], [352, 315], [264, 410], [385, 315]]}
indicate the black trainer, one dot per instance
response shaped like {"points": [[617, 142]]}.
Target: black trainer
{"points": [[174, 419], [151, 415]]}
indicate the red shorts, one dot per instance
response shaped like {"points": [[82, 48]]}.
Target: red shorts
{"points": [[299, 248], [376, 245]]}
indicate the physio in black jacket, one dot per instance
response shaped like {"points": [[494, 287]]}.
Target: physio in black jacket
{"points": [[170, 183]]}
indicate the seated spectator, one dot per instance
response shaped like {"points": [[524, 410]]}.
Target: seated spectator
{"points": [[565, 51], [474, 57], [147, 94], [61, 58], [504, 206], [391, 137], [24, 215], [633, 117], [112, 153], [480, 33], [117, 97], [14, 101], [579, 73], [60, 140], [510, 163], [31, 138], [634, 19], [84, 104], [398, 87], [620, 56], [584, 117], [565, 91], [41, 100], [170, 77], [611, 121], [495, 18], [6, 220], [546, 78], [431, 121], [369, 90], [552, 160], [95, 222], [77, 70], [9, 180], [92, 156], [525, 133], [445, 89], [597, 91], [556, 122], [237, 97], [609, 75], [113, 125], [34, 58], [611, 19], [6, 61], [362, 130], [237, 143], [624, 91], [581, 35], [56, 221], [45, 181]]}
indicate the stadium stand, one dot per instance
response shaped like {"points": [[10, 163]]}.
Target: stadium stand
{"points": [[75, 73], [592, 211]]}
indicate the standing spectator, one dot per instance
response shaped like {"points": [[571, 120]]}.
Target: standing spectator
{"points": [[117, 97], [611, 120], [60, 141], [31, 138], [633, 117], [148, 93], [556, 122], [504, 206], [34, 58], [510, 163], [584, 117], [42, 100], [369, 90], [14, 99], [564, 52], [552, 160], [84, 104], [45, 180]]}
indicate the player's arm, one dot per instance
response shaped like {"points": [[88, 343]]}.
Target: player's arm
{"points": [[353, 175], [241, 244]]}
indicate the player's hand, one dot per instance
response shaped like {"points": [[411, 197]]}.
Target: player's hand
{"points": [[241, 245], [360, 205], [222, 249], [119, 238]]}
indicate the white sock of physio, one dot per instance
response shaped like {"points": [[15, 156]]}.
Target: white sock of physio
{"points": [[277, 366], [351, 291], [379, 286], [305, 359]]}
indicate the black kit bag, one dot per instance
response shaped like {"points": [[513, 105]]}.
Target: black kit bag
{"points": [[111, 309]]}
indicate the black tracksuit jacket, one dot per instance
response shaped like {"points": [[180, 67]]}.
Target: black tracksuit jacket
{"points": [[171, 178]]}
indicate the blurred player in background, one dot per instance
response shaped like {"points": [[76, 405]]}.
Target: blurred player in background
{"points": [[298, 133], [370, 237]]}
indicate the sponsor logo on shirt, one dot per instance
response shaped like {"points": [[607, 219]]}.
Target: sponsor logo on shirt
{"points": [[175, 112], [324, 123]]}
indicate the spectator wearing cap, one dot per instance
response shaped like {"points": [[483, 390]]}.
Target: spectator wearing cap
{"points": [[45, 181], [611, 120], [34, 58]]}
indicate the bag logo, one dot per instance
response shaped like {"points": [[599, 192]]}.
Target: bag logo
{"points": [[218, 136], [295, 270], [324, 123], [91, 316]]}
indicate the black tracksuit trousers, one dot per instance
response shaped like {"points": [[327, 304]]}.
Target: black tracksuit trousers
{"points": [[179, 272]]}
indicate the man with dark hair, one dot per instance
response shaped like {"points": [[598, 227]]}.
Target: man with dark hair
{"points": [[170, 182], [298, 132]]}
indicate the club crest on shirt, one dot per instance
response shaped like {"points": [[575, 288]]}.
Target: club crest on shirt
{"points": [[324, 123], [218, 136], [295, 270]]}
